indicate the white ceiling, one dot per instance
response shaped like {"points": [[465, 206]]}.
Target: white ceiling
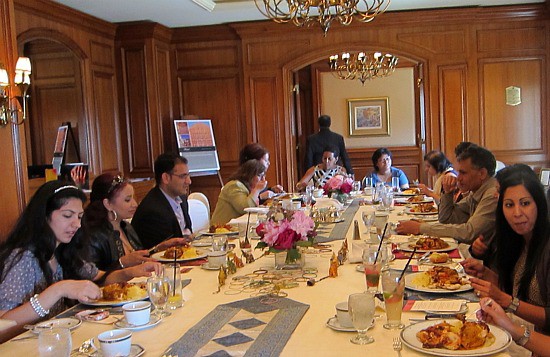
{"points": [[185, 13]]}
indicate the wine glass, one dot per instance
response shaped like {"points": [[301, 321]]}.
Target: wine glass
{"points": [[368, 220], [158, 289], [54, 342], [361, 311]]}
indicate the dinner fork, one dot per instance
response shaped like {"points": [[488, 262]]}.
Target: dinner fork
{"points": [[397, 346]]}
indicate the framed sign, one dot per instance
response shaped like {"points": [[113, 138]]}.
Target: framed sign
{"points": [[369, 117], [545, 177], [196, 142]]}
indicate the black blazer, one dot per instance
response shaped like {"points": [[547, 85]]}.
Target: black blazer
{"points": [[154, 220], [316, 143]]}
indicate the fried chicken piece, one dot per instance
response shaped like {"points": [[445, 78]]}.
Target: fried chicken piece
{"points": [[473, 334]]}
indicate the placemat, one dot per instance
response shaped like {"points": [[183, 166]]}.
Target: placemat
{"points": [[259, 326], [341, 229]]}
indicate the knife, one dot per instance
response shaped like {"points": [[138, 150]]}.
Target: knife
{"points": [[440, 316]]}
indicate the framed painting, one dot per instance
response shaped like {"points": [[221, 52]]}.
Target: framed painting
{"points": [[369, 117], [545, 177]]}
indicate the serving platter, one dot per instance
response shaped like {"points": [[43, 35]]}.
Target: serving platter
{"points": [[412, 285]]}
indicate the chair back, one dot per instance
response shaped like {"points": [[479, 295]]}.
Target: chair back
{"points": [[200, 215], [201, 197]]}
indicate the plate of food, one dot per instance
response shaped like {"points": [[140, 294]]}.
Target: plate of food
{"points": [[414, 199], [217, 229], [180, 254], [455, 338], [439, 279], [118, 294], [408, 192], [68, 322], [422, 209], [428, 244]]}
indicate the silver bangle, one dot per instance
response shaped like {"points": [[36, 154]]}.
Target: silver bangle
{"points": [[120, 263], [525, 337], [40, 311]]}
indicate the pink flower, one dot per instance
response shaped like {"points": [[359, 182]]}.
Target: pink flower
{"points": [[301, 224], [272, 231], [286, 239]]}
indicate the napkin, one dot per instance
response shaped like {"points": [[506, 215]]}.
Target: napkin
{"points": [[323, 202]]}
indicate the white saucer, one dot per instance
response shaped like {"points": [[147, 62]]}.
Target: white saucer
{"points": [[67, 322], [202, 242], [206, 266], [335, 325], [135, 351], [153, 321]]}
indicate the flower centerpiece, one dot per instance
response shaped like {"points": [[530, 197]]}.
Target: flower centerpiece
{"points": [[285, 232], [338, 187]]}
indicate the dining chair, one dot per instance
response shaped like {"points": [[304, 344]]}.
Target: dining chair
{"points": [[200, 215], [201, 197]]}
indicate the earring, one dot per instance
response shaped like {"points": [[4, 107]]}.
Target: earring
{"points": [[115, 215]]}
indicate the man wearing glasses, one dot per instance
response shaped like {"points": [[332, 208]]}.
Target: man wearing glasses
{"points": [[164, 212]]}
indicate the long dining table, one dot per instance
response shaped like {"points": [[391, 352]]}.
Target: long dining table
{"points": [[311, 336]]}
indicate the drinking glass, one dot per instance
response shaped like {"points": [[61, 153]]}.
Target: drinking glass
{"points": [[395, 184], [219, 242], [172, 274], [368, 220], [356, 187], [361, 311], [372, 268], [368, 182], [158, 289], [55, 342], [387, 200], [393, 287]]}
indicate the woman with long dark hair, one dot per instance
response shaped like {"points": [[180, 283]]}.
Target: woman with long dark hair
{"points": [[240, 192], [521, 280], [437, 166], [113, 242], [383, 170], [256, 151], [42, 260]]}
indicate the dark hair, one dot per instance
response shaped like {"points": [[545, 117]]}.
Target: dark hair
{"points": [[33, 233], [509, 243], [252, 151], [165, 163], [461, 147], [107, 186], [333, 149], [438, 161], [324, 121], [247, 171], [378, 154], [480, 158]]}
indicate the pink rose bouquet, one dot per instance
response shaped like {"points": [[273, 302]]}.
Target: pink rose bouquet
{"points": [[338, 184]]}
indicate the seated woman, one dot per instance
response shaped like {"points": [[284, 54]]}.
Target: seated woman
{"points": [[113, 242], [255, 151], [520, 281], [41, 264], [319, 174], [383, 171], [241, 192], [436, 165]]}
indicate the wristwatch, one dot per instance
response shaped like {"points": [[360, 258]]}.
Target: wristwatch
{"points": [[526, 334], [513, 305]]}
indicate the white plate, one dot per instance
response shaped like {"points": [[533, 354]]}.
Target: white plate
{"points": [[231, 233], [408, 210], [205, 242], [135, 351], [206, 266], [201, 253], [335, 325], [115, 303], [67, 322], [408, 336], [258, 210], [412, 286], [405, 247], [405, 194], [153, 321], [407, 202], [430, 218]]}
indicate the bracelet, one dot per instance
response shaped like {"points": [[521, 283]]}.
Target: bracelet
{"points": [[120, 263], [525, 338], [512, 308], [40, 311]]}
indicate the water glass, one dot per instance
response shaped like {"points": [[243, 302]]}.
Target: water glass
{"points": [[173, 276], [361, 310], [387, 200], [367, 182], [219, 242], [393, 288], [372, 268], [395, 184], [368, 221], [158, 289], [55, 342], [356, 187]]}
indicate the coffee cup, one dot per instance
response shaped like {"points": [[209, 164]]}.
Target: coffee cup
{"points": [[114, 343], [137, 313], [342, 314], [318, 193], [217, 258]]}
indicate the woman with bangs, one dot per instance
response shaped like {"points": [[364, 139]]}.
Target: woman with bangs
{"points": [[114, 244]]}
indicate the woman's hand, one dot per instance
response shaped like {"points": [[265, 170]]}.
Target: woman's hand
{"points": [[473, 267], [145, 269], [81, 290], [425, 190], [278, 189], [479, 248], [484, 288], [78, 175], [492, 312], [135, 258], [266, 195], [173, 242]]}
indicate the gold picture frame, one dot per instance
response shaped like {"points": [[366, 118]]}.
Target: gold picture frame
{"points": [[369, 116]]}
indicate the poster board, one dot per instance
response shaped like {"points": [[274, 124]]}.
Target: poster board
{"points": [[59, 149], [196, 143]]}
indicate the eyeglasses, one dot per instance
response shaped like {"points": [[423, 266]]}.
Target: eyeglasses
{"points": [[181, 176], [117, 181]]}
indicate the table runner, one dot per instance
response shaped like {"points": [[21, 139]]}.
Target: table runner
{"points": [[341, 229], [259, 326]]}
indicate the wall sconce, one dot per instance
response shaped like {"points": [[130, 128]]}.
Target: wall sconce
{"points": [[22, 81]]}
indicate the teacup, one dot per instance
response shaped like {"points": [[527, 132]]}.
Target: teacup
{"points": [[318, 193], [344, 319], [137, 313], [217, 258], [114, 343]]}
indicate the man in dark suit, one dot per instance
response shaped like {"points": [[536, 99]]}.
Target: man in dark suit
{"points": [[164, 212], [316, 143]]}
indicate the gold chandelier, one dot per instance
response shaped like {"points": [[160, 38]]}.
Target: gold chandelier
{"points": [[363, 66], [307, 12]]}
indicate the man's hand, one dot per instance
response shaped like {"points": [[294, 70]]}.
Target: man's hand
{"points": [[449, 183], [408, 227], [479, 248]]}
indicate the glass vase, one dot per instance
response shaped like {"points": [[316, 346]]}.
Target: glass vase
{"points": [[284, 262]]}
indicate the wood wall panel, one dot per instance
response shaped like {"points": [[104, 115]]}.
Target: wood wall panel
{"points": [[531, 38], [522, 129], [212, 57], [452, 96], [164, 93], [106, 122], [102, 54], [437, 43]]}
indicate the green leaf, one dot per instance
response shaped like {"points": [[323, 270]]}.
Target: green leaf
{"points": [[292, 256]]}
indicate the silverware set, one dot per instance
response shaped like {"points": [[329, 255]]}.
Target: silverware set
{"points": [[397, 346]]}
